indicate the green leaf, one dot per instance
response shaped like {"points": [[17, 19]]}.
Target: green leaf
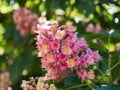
{"points": [[116, 71], [70, 81], [22, 62], [110, 87], [102, 66]]}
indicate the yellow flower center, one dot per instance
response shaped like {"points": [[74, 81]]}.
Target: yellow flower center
{"points": [[90, 72], [70, 63], [59, 34], [19, 19], [39, 86], [52, 87], [67, 48], [44, 47], [49, 57], [26, 24], [90, 58], [53, 28]]}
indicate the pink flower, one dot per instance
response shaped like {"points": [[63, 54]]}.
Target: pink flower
{"points": [[68, 28], [61, 57], [90, 60], [40, 86], [45, 63], [54, 45], [83, 74], [4, 80], [90, 27], [70, 63], [52, 87], [61, 50], [117, 47], [50, 58], [47, 28], [115, 82], [37, 84], [91, 74], [42, 20], [76, 61], [44, 48], [56, 73], [66, 50], [41, 79], [81, 44], [96, 56], [53, 24], [97, 28], [42, 39], [25, 84], [83, 61], [71, 39], [75, 48], [63, 66], [59, 34], [92, 55], [44, 28], [53, 27], [25, 20]]}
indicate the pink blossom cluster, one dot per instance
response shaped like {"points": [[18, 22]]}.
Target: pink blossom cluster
{"points": [[95, 29], [115, 82], [117, 47], [40, 85], [5, 81], [61, 51], [25, 20]]}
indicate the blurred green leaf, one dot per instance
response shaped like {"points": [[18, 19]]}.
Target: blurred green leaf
{"points": [[116, 71], [110, 87], [22, 62]]}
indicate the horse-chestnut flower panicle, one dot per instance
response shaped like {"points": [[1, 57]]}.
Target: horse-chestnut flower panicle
{"points": [[25, 20], [61, 51]]}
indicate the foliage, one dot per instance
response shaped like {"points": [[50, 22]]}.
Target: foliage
{"points": [[18, 54]]}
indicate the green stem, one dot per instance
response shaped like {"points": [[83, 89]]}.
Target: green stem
{"points": [[89, 85], [109, 57], [110, 69], [81, 85], [100, 71]]}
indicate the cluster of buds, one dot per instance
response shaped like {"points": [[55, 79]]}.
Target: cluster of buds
{"points": [[95, 29], [62, 51], [5, 81], [25, 20], [40, 85]]}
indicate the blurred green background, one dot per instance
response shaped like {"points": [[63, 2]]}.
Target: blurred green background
{"points": [[18, 54]]}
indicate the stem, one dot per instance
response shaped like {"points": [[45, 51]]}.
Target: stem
{"points": [[110, 69], [76, 86], [109, 57], [100, 71], [89, 85]]}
